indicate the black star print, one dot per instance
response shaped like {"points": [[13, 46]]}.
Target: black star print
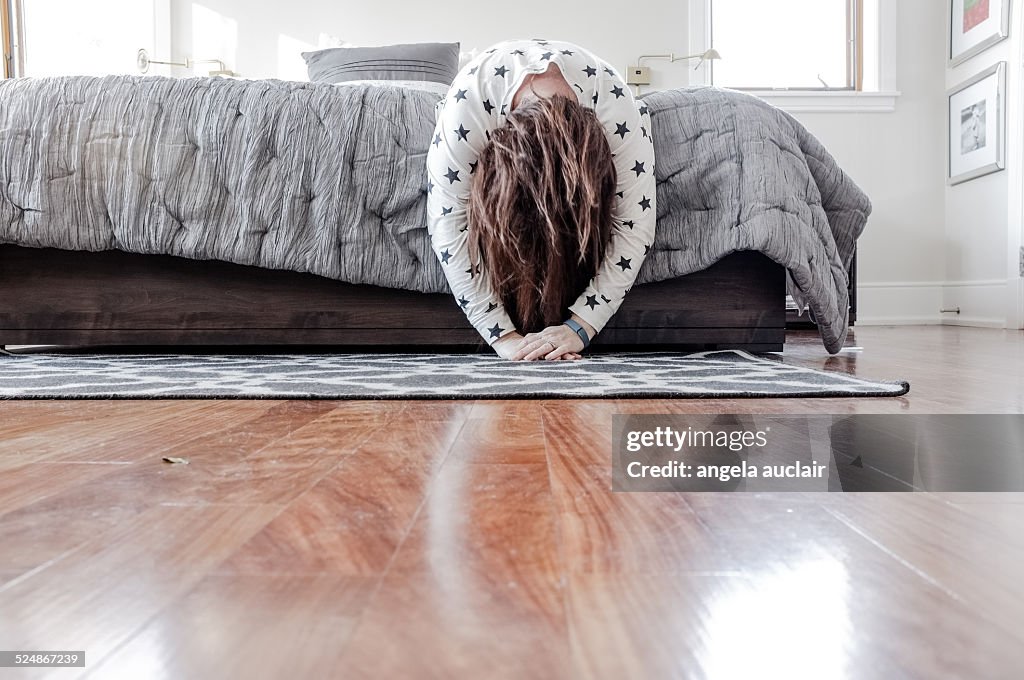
{"points": [[621, 129], [445, 256], [540, 42], [518, 52], [472, 166], [495, 331], [567, 53], [610, 72], [453, 176], [461, 95], [492, 51], [430, 186], [503, 107], [473, 70], [592, 301], [605, 299], [463, 133], [628, 223], [578, 88], [618, 193], [638, 168], [624, 263], [488, 106], [643, 130], [465, 228], [617, 91], [590, 71], [645, 203], [463, 302], [437, 139], [470, 272], [643, 110], [491, 307], [647, 249], [594, 97], [547, 56], [446, 211], [500, 71]]}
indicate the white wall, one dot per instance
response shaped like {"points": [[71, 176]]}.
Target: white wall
{"points": [[270, 34], [983, 215]]}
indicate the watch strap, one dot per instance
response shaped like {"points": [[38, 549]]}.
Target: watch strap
{"points": [[578, 330]]}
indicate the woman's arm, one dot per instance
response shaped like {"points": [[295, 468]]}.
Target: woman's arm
{"points": [[634, 215], [461, 133]]}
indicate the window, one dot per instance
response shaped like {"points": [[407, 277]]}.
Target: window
{"points": [[788, 44], [71, 37]]}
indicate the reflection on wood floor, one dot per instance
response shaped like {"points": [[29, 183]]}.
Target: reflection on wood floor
{"points": [[461, 539]]}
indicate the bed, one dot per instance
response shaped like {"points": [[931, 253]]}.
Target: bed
{"points": [[150, 210]]}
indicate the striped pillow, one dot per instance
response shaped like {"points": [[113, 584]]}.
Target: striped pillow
{"points": [[434, 62]]}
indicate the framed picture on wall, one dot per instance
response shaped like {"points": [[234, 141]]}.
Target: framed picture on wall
{"points": [[976, 25], [977, 125]]}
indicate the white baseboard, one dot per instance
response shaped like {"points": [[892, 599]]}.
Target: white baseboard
{"points": [[914, 303], [899, 303], [982, 303]]}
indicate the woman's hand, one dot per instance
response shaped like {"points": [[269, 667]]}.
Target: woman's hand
{"points": [[552, 343], [517, 348]]}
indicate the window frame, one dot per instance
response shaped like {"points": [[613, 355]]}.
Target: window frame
{"points": [[854, 54], [880, 93], [12, 34]]}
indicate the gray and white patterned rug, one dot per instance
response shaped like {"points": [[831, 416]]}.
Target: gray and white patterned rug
{"points": [[419, 376]]}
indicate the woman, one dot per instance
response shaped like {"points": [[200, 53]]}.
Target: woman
{"points": [[541, 195]]}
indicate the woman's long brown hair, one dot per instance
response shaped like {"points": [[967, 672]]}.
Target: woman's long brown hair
{"points": [[540, 209]]}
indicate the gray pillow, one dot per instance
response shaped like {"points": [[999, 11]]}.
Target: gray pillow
{"points": [[434, 62]]}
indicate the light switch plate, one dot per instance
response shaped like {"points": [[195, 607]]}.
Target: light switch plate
{"points": [[638, 75]]}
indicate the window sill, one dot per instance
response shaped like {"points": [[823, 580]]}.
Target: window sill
{"points": [[796, 101]]}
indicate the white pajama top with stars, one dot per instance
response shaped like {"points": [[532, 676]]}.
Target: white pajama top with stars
{"points": [[477, 103]]}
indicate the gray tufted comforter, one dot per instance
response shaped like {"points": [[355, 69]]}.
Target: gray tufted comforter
{"points": [[330, 180]]}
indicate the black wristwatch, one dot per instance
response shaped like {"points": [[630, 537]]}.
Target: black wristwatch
{"points": [[579, 330]]}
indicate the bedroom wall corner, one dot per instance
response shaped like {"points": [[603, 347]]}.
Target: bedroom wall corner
{"points": [[984, 215]]}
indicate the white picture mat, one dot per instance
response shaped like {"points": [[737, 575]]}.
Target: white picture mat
{"points": [[988, 89], [991, 30]]}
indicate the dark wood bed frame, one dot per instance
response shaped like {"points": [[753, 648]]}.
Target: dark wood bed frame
{"points": [[56, 297]]}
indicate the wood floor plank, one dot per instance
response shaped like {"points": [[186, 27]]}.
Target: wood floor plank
{"points": [[354, 518], [99, 595], [258, 626], [607, 532], [129, 437], [502, 432], [801, 620], [497, 519], [957, 550]]}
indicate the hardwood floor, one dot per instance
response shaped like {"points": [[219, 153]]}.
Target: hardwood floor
{"points": [[462, 539]]}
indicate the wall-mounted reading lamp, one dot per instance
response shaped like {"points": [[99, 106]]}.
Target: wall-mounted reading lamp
{"points": [[710, 55], [143, 61], [640, 75]]}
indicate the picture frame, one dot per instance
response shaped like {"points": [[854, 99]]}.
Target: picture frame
{"points": [[976, 121], [975, 26]]}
